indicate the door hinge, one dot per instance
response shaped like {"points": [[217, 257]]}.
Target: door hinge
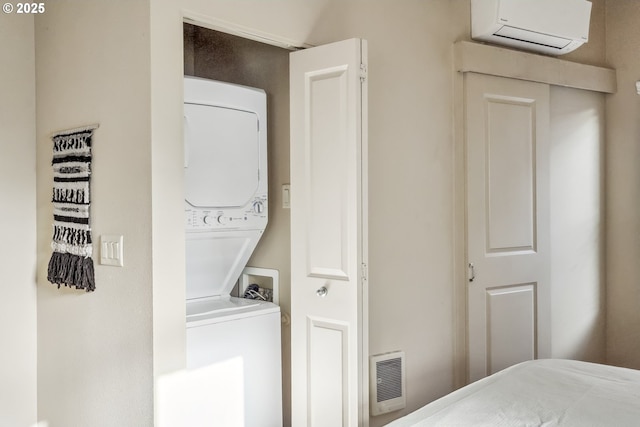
{"points": [[363, 73], [364, 271]]}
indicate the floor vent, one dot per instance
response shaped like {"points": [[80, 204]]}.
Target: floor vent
{"points": [[387, 383]]}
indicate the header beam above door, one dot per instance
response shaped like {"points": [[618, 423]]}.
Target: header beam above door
{"points": [[497, 61]]}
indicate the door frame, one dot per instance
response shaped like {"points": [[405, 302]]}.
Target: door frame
{"points": [[470, 57], [212, 23]]}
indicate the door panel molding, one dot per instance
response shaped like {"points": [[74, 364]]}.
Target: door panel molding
{"points": [[328, 354], [510, 211], [511, 319], [326, 142]]}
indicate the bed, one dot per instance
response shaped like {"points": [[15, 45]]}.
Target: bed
{"points": [[546, 392]]}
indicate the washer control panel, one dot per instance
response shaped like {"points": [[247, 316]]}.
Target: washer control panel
{"points": [[252, 215]]}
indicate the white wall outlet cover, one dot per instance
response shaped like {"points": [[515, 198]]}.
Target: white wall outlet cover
{"points": [[638, 87], [112, 250]]}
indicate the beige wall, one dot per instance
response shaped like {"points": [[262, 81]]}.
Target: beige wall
{"points": [[167, 210], [95, 349], [623, 186], [577, 224], [593, 53], [17, 222]]}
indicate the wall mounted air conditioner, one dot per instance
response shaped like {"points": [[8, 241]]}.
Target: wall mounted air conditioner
{"points": [[553, 27]]}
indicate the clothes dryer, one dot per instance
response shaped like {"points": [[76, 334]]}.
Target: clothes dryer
{"points": [[226, 203]]}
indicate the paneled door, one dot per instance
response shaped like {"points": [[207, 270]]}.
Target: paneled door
{"points": [[507, 167], [329, 236]]}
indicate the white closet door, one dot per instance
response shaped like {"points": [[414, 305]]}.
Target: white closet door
{"points": [[507, 154], [328, 236]]}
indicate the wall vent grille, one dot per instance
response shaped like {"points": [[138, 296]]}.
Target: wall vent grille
{"points": [[387, 379]]}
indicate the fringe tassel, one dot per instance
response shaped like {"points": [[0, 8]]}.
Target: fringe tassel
{"points": [[72, 271]]}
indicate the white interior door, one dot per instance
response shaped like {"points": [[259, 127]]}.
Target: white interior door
{"points": [[507, 147], [328, 236]]}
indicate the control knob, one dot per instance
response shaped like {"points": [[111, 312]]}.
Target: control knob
{"points": [[258, 207]]}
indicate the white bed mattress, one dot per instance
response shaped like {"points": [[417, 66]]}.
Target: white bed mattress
{"points": [[539, 393]]}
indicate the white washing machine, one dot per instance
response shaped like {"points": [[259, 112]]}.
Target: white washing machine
{"points": [[226, 211]]}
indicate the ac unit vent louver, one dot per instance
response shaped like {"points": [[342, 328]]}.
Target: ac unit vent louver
{"points": [[387, 383], [532, 37]]}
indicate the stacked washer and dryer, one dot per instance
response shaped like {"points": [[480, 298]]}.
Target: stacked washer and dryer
{"points": [[226, 209]]}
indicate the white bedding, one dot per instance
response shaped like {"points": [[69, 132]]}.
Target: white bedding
{"points": [[539, 393]]}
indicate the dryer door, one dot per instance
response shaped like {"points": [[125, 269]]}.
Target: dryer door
{"points": [[222, 156]]}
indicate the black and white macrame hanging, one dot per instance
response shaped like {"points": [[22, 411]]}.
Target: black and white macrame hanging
{"points": [[71, 263]]}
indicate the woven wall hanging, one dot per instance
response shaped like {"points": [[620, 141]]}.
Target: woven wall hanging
{"points": [[71, 263]]}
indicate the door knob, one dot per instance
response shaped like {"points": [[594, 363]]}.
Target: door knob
{"points": [[322, 292]]}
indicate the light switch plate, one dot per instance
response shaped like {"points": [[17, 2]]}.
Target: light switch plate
{"points": [[286, 196], [111, 250]]}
